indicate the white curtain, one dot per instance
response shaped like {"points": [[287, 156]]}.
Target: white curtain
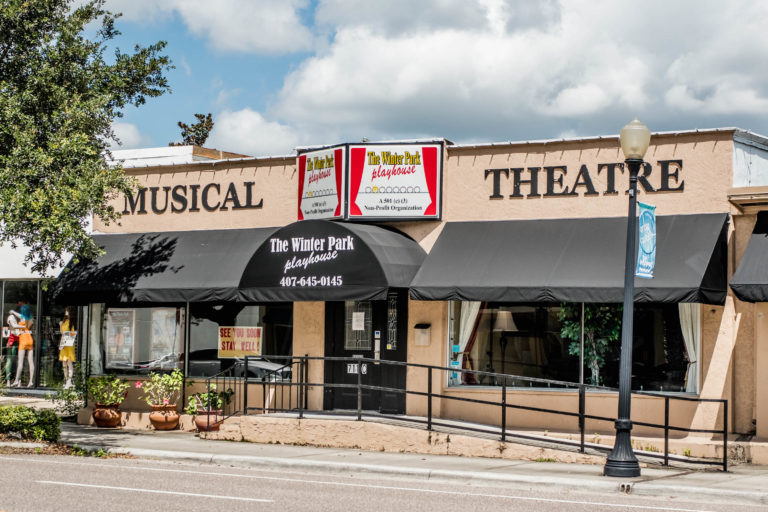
{"points": [[689, 323], [469, 311]]}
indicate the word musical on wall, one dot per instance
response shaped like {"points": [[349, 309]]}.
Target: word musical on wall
{"points": [[191, 198]]}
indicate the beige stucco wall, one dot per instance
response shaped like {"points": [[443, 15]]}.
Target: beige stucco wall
{"points": [[706, 172], [309, 340], [275, 181]]}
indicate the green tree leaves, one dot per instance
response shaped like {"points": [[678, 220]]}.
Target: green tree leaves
{"points": [[196, 133], [59, 95]]}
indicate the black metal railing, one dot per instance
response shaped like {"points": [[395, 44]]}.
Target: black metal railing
{"points": [[285, 388]]}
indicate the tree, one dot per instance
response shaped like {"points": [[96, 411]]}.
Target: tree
{"points": [[196, 133], [602, 327], [59, 95]]}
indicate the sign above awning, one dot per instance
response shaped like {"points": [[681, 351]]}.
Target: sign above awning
{"points": [[573, 260], [317, 260], [750, 281], [393, 181]]}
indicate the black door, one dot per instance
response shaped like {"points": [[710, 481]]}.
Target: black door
{"points": [[357, 329]]}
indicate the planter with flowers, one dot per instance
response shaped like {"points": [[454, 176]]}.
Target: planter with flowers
{"points": [[207, 408], [162, 391], [107, 393]]}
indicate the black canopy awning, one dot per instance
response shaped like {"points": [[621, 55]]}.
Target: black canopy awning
{"points": [[750, 281], [317, 260], [573, 260], [173, 266]]}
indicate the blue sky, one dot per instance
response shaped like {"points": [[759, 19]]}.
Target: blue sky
{"points": [[281, 73]]}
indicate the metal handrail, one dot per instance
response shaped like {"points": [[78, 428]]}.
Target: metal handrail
{"points": [[300, 380]]}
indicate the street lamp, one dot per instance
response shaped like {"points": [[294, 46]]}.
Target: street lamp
{"points": [[634, 138]]}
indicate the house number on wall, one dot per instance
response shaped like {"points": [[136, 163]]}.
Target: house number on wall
{"points": [[352, 368]]}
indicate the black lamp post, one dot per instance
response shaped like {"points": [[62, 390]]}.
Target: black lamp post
{"points": [[635, 138]]}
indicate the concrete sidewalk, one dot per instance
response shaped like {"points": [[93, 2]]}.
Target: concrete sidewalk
{"points": [[743, 484]]}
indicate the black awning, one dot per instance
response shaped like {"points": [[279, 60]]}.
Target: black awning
{"points": [[173, 266], [573, 260], [318, 260], [750, 281]]}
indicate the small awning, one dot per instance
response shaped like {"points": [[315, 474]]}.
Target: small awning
{"points": [[573, 260], [176, 266], [318, 260], [750, 281]]}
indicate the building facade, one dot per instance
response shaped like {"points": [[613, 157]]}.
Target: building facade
{"points": [[504, 258]]}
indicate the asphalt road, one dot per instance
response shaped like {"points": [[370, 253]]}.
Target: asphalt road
{"points": [[42, 483]]}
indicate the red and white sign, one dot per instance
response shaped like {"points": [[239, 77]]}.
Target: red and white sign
{"points": [[395, 181], [321, 184]]}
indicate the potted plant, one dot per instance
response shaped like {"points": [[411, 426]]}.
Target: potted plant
{"points": [[107, 393], [207, 408], [161, 393]]}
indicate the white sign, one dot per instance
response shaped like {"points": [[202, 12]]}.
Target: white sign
{"points": [[395, 180], [358, 321], [321, 184], [353, 368], [68, 338]]}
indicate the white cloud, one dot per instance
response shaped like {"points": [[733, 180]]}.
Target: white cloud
{"points": [[504, 69], [484, 69], [129, 136], [246, 131], [249, 26]]}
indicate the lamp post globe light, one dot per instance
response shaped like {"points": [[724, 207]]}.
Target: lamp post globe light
{"points": [[634, 138]]}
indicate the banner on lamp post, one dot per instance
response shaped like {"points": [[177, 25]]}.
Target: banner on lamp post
{"points": [[646, 253]]}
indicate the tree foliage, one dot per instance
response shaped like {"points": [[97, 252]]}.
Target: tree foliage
{"points": [[59, 95], [196, 133], [602, 327]]}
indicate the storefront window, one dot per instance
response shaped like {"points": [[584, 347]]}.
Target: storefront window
{"points": [[136, 339], [20, 355], [265, 330], [522, 340], [545, 341], [58, 343]]}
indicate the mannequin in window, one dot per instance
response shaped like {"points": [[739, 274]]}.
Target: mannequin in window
{"points": [[13, 342], [67, 347], [26, 343]]}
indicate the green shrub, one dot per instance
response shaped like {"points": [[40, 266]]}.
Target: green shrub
{"points": [[24, 421]]}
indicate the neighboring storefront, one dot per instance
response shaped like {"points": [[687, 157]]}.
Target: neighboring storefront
{"points": [[487, 257], [51, 328]]}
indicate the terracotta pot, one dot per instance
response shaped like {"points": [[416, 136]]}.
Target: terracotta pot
{"points": [[107, 416], [209, 422], [164, 417]]}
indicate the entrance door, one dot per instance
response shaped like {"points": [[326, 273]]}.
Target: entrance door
{"points": [[356, 329]]}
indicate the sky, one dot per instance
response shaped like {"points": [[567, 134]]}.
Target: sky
{"points": [[278, 74]]}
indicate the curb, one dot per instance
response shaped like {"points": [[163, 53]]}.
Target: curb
{"points": [[637, 487], [344, 467]]}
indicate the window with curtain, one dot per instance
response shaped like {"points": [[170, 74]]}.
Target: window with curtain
{"points": [[545, 341]]}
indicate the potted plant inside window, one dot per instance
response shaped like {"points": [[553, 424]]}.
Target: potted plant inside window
{"points": [[161, 392], [207, 408], [107, 393], [602, 329]]}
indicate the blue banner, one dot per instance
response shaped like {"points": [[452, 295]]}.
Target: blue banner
{"points": [[646, 253]]}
